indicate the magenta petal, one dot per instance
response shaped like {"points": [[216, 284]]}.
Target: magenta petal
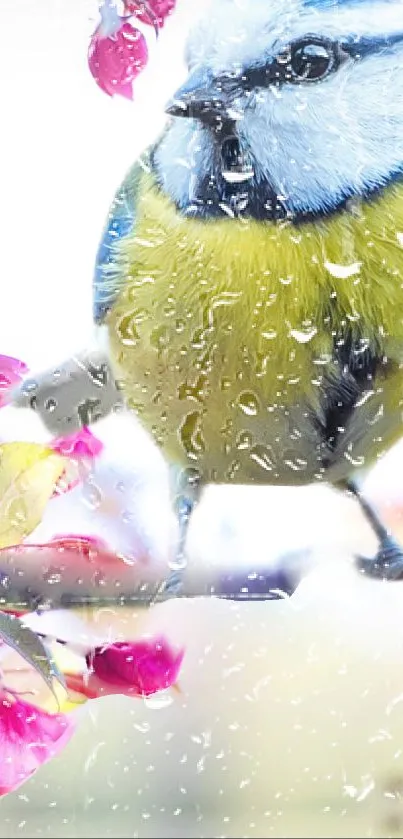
{"points": [[12, 371], [79, 445], [161, 9], [28, 738], [126, 90], [139, 667], [117, 60]]}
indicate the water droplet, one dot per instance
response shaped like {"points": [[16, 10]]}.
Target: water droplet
{"points": [[226, 298], [50, 405], [305, 335], [142, 728], [377, 416], [263, 456], [323, 359], [343, 272], [198, 339], [178, 562], [190, 435], [160, 338], [99, 578], [248, 403], [284, 57], [126, 330], [244, 441], [357, 461], [52, 576], [296, 464], [92, 495], [159, 700], [364, 398], [232, 470], [180, 325], [225, 383], [169, 310], [196, 391]]}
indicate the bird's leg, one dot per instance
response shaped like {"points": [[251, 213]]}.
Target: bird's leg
{"points": [[174, 582], [187, 492], [387, 564]]}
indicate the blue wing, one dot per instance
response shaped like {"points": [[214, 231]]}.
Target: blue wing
{"points": [[121, 220]]}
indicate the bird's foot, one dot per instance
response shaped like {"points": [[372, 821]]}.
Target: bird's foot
{"points": [[387, 564]]}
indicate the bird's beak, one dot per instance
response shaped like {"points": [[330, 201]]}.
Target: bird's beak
{"points": [[201, 97]]}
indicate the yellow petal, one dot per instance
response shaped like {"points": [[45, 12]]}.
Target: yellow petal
{"points": [[67, 660], [64, 702], [28, 475], [73, 701]]}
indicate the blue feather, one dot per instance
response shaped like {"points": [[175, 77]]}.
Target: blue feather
{"points": [[104, 288], [121, 219], [325, 4]]}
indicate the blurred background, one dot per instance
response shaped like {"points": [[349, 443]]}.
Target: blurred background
{"points": [[291, 717]]}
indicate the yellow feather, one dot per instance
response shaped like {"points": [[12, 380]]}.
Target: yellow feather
{"points": [[224, 328]]}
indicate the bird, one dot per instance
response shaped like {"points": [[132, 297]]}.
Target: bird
{"points": [[248, 283], [249, 277]]}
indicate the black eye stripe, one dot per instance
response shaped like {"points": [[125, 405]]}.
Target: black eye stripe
{"points": [[309, 59]]}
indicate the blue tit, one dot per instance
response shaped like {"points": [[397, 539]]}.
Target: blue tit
{"points": [[249, 278]]}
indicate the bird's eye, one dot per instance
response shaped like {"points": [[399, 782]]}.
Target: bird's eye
{"points": [[309, 59]]}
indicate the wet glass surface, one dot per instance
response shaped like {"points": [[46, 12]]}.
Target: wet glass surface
{"points": [[275, 715]]}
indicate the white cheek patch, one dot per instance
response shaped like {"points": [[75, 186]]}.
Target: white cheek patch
{"points": [[322, 143]]}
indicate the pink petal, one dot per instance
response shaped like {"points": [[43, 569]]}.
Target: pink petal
{"points": [[138, 667], [28, 738], [126, 90], [86, 546], [80, 448], [161, 9], [74, 474], [65, 484], [117, 60], [79, 445], [81, 684], [12, 371]]}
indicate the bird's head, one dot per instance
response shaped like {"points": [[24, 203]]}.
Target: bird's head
{"points": [[290, 109]]}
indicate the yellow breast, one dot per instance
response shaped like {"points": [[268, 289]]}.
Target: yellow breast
{"points": [[224, 330]]}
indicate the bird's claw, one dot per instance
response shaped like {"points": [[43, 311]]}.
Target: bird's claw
{"points": [[387, 564]]}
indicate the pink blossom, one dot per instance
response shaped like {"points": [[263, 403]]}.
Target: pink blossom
{"points": [[12, 371], [152, 11], [28, 738], [82, 444], [116, 56], [78, 449], [135, 668]]}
